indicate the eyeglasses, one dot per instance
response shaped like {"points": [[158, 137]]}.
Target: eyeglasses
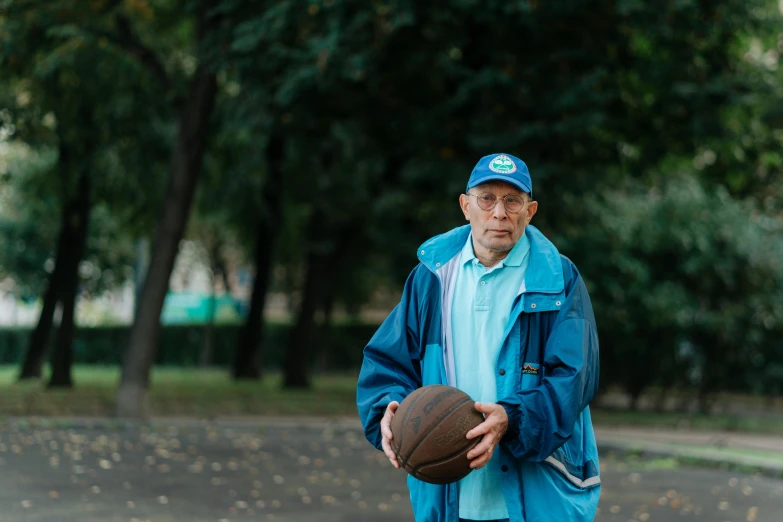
{"points": [[488, 200]]}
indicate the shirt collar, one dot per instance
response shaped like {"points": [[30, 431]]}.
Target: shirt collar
{"points": [[514, 258], [467, 253], [518, 253]]}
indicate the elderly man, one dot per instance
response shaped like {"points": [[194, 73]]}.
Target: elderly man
{"points": [[493, 309]]}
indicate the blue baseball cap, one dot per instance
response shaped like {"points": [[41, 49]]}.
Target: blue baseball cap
{"points": [[501, 167]]}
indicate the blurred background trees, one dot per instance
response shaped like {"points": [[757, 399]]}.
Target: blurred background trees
{"points": [[305, 149]]}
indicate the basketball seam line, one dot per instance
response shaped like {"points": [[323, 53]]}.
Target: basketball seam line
{"points": [[446, 459], [435, 425], [404, 423]]}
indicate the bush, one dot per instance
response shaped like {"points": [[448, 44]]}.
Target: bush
{"points": [[686, 284], [340, 348]]}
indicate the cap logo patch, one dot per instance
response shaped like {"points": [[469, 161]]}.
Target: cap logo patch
{"points": [[502, 165]]}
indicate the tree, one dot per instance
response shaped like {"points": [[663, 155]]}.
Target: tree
{"points": [[193, 128], [568, 106], [693, 286], [248, 362], [52, 47]]}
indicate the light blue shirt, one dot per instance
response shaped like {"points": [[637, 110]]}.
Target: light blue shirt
{"points": [[480, 312]]}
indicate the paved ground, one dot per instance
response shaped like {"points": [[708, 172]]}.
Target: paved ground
{"points": [[296, 472], [738, 450], [730, 440]]}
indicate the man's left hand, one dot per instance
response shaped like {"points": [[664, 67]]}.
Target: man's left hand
{"points": [[493, 428]]}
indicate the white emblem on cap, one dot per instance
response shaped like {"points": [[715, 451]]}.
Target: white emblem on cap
{"points": [[502, 165]]}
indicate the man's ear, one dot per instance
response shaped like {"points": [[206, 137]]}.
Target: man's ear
{"points": [[532, 208], [464, 201]]}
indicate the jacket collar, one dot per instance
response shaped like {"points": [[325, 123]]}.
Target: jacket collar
{"points": [[544, 272]]}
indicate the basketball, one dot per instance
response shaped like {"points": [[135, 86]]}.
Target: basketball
{"points": [[429, 429]]}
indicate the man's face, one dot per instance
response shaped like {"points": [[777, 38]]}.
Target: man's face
{"points": [[496, 230]]}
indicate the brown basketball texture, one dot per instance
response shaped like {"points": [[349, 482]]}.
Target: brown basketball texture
{"points": [[429, 430]]}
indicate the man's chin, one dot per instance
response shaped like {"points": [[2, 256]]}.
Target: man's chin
{"points": [[500, 246]]}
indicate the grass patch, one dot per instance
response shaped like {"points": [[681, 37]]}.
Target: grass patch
{"points": [[179, 392], [738, 452], [628, 461], [694, 422]]}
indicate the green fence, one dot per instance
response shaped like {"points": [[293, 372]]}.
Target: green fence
{"points": [[338, 348]]}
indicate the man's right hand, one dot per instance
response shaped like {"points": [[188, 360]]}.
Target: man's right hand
{"points": [[386, 433]]}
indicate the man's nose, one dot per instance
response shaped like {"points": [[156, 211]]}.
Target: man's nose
{"points": [[499, 212]]}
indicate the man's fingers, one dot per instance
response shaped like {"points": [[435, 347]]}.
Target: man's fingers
{"points": [[484, 407], [486, 444], [485, 427], [388, 450], [386, 429], [481, 429], [387, 418], [386, 433], [480, 449], [480, 462], [390, 453]]}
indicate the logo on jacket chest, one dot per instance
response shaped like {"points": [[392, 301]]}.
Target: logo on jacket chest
{"points": [[529, 370]]}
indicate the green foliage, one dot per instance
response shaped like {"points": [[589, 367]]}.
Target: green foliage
{"points": [[686, 282], [27, 230], [74, 98], [652, 131]]}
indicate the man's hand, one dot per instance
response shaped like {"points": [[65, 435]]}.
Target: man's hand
{"points": [[493, 428], [386, 433]]}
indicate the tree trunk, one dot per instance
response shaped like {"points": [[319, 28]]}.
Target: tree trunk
{"points": [[207, 349], [660, 399], [634, 396], [248, 358], [299, 350], [320, 267], [220, 265], [186, 165], [325, 329], [318, 287], [32, 367], [247, 363], [140, 268], [63, 352], [63, 355], [205, 359]]}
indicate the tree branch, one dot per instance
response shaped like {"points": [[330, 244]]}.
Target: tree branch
{"points": [[110, 6], [129, 41]]}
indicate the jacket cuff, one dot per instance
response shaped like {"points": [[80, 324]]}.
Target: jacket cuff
{"points": [[380, 407], [514, 422]]}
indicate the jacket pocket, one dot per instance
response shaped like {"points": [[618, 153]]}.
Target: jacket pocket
{"points": [[577, 459], [549, 496], [583, 477]]}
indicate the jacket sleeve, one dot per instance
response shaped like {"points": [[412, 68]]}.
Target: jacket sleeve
{"points": [[391, 367], [542, 419]]}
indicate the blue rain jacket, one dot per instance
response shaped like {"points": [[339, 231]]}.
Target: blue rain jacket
{"points": [[550, 374]]}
